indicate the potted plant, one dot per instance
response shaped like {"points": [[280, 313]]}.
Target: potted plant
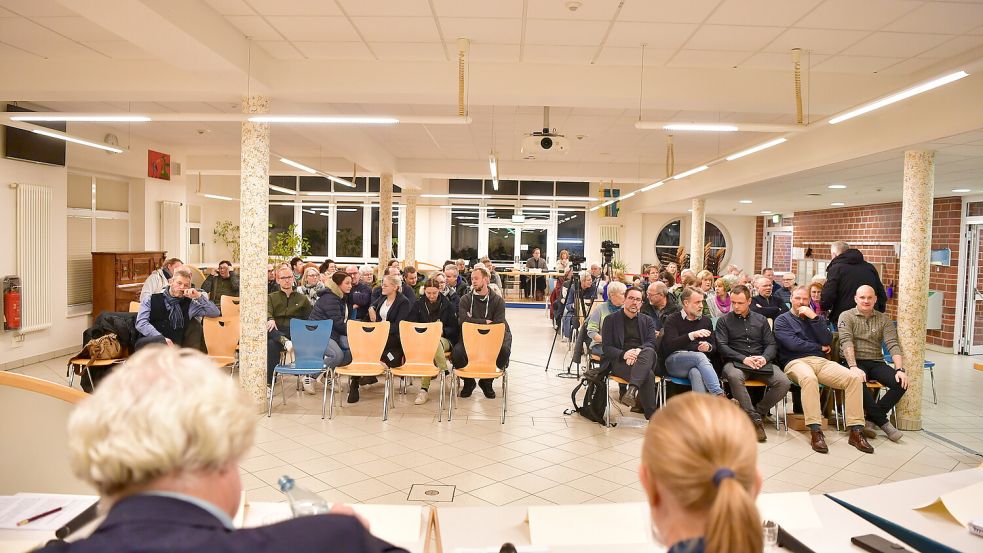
{"points": [[228, 234]]}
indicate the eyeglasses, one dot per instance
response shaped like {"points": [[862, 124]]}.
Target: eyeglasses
{"points": [[632, 298], [288, 277]]}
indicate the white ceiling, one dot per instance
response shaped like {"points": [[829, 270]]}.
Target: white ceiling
{"points": [[708, 60]]}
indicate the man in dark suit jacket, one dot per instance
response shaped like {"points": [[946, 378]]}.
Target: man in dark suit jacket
{"points": [[629, 351], [173, 479]]}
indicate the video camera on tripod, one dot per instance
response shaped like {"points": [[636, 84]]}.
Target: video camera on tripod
{"points": [[607, 250]]}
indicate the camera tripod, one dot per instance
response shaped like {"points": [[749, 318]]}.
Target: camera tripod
{"points": [[582, 310]]}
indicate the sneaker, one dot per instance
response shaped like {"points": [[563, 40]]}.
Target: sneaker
{"points": [[309, 386], [893, 433], [870, 430], [421, 398]]}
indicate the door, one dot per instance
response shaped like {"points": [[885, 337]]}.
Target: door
{"points": [[974, 291], [508, 245], [501, 245], [779, 254]]}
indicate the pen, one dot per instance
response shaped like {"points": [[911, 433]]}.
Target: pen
{"points": [[35, 517]]}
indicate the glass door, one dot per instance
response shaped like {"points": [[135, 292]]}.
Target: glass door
{"points": [[501, 245], [530, 239], [974, 291]]}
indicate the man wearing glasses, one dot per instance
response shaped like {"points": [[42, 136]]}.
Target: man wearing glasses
{"points": [[281, 306], [629, 351]]}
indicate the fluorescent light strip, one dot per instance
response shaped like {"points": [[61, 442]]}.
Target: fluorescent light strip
{"points": [[653, 186], [493, 167], [82, 118], [907, 93], [67, 138], [300, 166], [757, 148], [282, 189], [218, 197], [324, 119], [626, 196], [693, 171], [700, 127], [459, 196]]}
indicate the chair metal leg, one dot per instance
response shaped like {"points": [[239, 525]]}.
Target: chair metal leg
{"points": [[931, 375], [269, 409], [387, 385], [440, 400], [607, 394], [505, 394], [333, 377], [324, 398], [453, 398]]}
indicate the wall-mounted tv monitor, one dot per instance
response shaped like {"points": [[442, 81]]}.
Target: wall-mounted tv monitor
{"points": [[28, 146]]}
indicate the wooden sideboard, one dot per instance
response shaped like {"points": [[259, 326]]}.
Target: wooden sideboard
{"points": [[117, 278]]}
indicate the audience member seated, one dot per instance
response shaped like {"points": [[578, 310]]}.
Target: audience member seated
{"points": [[496, 281], [281, 306], [687, 339], [481, 306], [815, 297], [804, 340], [719, 302], [748, 349], [595, 320], [669, 280], [333, 306], [271, 284], [769, 273], [595, 275], [745, 280], [651, 275], [535, 286], [732, 270], [765, 302], [568, 316], [158, 279], [659, 303], [862, 330], [222, 282], [434, 307], [455, 280], [689, 280], [562, 262], [700, 475], [462, 270], [390, 270], [311, 285], [297, 266], [628, 342], [447, 291], [673, 269], [169, 316], [705, 281], [161, 442], [847, 272], [784, 292], [394, 307], [328, 267], [362, 293], [412, 287]]}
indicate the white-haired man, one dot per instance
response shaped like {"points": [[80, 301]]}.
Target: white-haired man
{"points": [[161, 441], [170, 316]]}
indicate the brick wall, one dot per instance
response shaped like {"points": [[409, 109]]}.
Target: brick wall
{"points": [[759, 236], [882, 223], [782, 256]]}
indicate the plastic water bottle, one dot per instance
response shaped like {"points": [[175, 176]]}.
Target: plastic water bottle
{"points": [[303, 502]]}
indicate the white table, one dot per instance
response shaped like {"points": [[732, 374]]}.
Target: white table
{"points": [[838, 526], [895, 503]]}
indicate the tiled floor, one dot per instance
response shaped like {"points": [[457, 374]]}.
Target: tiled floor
{"points": [[541, 456]]}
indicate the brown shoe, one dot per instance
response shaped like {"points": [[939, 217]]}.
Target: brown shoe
{"points": [[759, 429], [819, 442], [858, 441]]}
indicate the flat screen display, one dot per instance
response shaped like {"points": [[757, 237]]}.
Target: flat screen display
{"points": [[28, 146]]}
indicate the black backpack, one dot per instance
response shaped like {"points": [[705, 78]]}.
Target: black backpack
{"points": [[595, 395]]}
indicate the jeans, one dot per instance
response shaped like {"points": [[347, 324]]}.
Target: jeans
{"points": [[695, 366], [879, 371], [338, 353], [778, 385]]}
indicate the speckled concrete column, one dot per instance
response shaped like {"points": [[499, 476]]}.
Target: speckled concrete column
{"points": [[916, 243], [410, 198], [696, 234], [253, 227], [385, 219]]}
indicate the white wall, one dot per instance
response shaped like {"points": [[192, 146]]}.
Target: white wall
{"points": [[213, 211]]}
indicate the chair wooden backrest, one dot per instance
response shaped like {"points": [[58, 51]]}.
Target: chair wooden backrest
{"points": [[221, 335], [134, 307], [368, 340], [482, 344], [419, 341], [35, 417], [230, 306], [197, 277]]}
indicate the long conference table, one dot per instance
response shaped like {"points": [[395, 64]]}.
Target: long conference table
{"points": [[818, 523]]}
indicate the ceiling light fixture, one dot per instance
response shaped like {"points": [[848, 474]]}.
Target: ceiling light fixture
{"points": [[69, 138], [837, 204], [324, 119], [653, 186], [745, 201], [699, 127], [313, 171], [283, 189], [961, 190], [904, 94], [717, 127], [300, 166], [837, 186], [766, 212], [81, 118], [693, 171], [493, 167], [757, 148]]}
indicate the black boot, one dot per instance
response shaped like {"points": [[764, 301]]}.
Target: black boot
{"points": [[353, 390], [486, 387], [631, 396], [469, 385]]}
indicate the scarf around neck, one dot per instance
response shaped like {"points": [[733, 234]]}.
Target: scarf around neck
{"points": [[724, 306], [174, 313]]}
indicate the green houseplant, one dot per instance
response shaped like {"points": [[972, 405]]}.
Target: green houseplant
{"points": [[228, 233], [287, 244]]}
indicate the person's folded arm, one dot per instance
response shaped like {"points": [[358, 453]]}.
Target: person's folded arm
{"points": [[143, 325], [203, 307], [789, 339]]}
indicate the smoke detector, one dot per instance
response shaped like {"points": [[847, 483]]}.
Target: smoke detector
{"points": [[573, 5]]}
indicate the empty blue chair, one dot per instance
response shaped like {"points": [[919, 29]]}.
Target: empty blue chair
{"points": [[928, 366], [310, 340]]}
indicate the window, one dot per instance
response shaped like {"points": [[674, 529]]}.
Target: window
{"points": [[570, 231], [314, 221], [350, 230], [98, 220], [505, 188], [281, 217], [668, 241], [464, 232]]}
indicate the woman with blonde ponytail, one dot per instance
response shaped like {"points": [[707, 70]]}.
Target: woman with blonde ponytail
{"points": [[700, 472]]}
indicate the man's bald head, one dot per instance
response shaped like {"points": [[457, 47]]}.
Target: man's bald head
{"points": [[866, 298]]}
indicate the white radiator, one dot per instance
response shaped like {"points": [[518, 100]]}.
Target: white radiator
{"points": [[170, 228], [611, 232], [34, 255]]}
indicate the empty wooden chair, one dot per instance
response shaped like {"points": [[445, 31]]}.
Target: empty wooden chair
{"points": [[367, 342], [420, 342], [482, 344], [134, 307], [222, 340], [229, 306]]}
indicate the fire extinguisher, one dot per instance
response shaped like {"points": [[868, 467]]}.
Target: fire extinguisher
{"points": [[11, 303]]}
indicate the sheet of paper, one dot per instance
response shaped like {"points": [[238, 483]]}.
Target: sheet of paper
{"points": [[792, 510], [599, 524], [399, 524], [964, 504], [15, 508]]}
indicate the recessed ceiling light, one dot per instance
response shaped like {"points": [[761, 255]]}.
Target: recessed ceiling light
{"points": [[745, 201], [766, 213], [837, 204], [814, 194], [837, 186], [960, 190]]}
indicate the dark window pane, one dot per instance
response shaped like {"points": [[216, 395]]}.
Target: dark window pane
{"points": [[374, 244], [501, 212], [360, 185], [501, 245], [464, 233], [713, 235], [464, 186], [349, 237], [565, 188], [281, 217], [505, 188], [536, 188], [315, 184], [374, 184], [570, 232], [536, 213], [315, 229], [286, 181], [669, 235], [530, 240]]}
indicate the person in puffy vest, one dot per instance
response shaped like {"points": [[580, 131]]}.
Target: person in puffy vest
{"points": [[165, 317]]}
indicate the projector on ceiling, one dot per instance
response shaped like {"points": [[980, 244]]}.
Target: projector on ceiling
{"points": [[544, 143]]}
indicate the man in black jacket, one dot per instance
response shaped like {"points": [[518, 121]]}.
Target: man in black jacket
{"points": [[434, 307], [660, 303], [481, 306], [747, 346], [629, 351], [846, 273], [766, 302]]}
